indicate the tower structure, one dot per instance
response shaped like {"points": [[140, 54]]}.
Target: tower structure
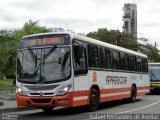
{"points": [[130, 19]]}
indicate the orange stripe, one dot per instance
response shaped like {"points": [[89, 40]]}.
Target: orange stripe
{"points": [[80, 102], [119, 90], [80, 93], [103, 99], [118, 97], [144, 88], [114, 90], [141, 93]]}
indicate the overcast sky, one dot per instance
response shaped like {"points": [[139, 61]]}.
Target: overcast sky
{"points": [[81, 16]]}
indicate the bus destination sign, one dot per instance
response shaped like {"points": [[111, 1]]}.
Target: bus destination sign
{"points": [[44, 41]]}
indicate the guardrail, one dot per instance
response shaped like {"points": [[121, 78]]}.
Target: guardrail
{"points": [[7, 89]]}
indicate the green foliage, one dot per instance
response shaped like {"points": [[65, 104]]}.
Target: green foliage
{"points": [[9, 41], [6, 82], [29, 28], [151, 52], [7, 44], [114, 37], [125, 40]]}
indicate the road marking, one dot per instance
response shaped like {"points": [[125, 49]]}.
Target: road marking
{"points": [[139, 108]]}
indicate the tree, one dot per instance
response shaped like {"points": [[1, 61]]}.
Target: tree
{"points": [[9, 41], [127, 41], [114, 37], [151, 52], [29, 28]]}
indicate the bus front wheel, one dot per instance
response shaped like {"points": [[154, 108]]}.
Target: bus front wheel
{"points": [[93, 100]]}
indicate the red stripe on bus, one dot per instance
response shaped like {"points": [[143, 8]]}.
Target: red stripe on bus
{"points": [[80, 102], [27, 100], [141, 93], [119, 90], [81, 93], [144, 88], [118, 97]]}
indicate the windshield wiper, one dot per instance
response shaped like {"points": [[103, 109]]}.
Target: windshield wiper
{"points": [[46, 55], [50, 52], [34, 57]]}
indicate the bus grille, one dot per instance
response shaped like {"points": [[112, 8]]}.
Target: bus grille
{"points": [[38, 94], [41, 88], [46, 100]]}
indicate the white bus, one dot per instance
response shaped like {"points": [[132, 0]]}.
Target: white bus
{"points": [[67, 69], [154, 74]]}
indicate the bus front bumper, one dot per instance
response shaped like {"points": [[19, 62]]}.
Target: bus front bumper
{"points": [[42, 101]]}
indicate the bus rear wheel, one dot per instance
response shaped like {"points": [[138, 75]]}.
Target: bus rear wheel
{"points": [[133, 96], [93, 100]]}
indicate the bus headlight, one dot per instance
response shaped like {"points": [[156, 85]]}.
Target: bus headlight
{"points": [[64, 90], [21, 92]]}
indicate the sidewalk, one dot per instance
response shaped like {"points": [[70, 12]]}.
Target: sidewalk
{"points": [[9, 105]]}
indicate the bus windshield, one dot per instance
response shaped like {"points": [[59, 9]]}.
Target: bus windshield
{"points": [[154, 72], [43, 65]]}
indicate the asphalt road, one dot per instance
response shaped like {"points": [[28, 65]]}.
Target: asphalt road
{"points": [[149, 104]]}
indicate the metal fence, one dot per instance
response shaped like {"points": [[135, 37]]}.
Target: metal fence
{"points": [[7, 89]]}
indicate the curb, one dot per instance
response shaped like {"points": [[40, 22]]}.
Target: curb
{"points": [[1, 104], [7, 98], [17, 109]]}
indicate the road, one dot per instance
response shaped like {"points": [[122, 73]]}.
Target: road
{"points": [[143, 105]]}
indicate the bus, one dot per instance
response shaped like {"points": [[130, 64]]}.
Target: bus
{"points": [[68, 69], [154, 74]]}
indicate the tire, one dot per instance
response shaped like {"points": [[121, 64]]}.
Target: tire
{"points": [[93, 100], [47, 109], [133, 96]]}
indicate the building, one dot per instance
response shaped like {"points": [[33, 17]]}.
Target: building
{"points": [[130, 19]]}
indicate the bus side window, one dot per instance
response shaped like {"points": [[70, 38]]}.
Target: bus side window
{"points": [[103, 63], [108, 58], [139, 64], [79, 61], [144, 65], [132, 60], [124, 61], [93, 56], [116, 64]]}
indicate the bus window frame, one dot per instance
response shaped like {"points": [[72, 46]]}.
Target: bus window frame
{"points": [[80, 71]]}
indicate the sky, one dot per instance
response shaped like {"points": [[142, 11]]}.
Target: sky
{"points": [[81, 16]]}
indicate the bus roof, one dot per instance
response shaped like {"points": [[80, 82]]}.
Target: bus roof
{"points": [[93, 41]]}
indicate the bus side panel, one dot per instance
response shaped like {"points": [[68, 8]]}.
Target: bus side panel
{"points": [[117, 85], [112, 85], [81, 90]]}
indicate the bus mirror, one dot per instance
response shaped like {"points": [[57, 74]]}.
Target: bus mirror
{"points": [[80, 51]]}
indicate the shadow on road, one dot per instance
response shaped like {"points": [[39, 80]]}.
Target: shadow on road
{"points": [[154, 93], [80, 110]]}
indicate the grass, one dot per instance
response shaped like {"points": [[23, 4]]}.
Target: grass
{"points": [[5, 87], [7, 82], [8, 95]]}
